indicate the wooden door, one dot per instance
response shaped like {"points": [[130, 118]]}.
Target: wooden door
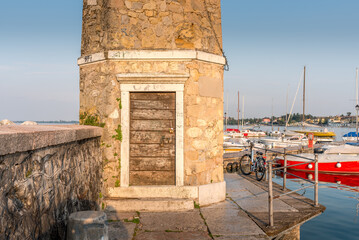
{"points": [[152, 138]]}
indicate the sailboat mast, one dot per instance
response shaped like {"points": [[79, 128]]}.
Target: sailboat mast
{"points": [[238, 111], [286, 110], [303, 98], [272, 114], [227, 114], [242, 111], [356, 86]]}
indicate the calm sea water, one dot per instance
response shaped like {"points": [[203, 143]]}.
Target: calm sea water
{"points": [[340, 220]]}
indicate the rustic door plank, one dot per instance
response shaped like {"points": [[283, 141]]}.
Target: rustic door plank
{"points": [[139, 114], [153, 96], [153, 104], [158, 137], [152, 125], [152, 178], [152, 164], [152, 150]]}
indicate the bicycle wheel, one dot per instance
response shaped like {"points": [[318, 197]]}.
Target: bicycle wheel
{"points": [[260, 169], [245, 164], [229, 167], [235, 166]]}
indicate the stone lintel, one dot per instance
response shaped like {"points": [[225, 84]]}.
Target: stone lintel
{"points": [[151, 78], [15, 138], [153, 55]]}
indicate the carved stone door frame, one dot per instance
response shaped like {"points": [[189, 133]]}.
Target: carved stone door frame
{"points": [[144, 82]]}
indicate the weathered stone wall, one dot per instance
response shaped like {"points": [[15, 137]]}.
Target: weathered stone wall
{"points": [[203, 117], [203, 111], [46, 173], [151, 24], [159, 26]]}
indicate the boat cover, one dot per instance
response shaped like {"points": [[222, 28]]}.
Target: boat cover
{"points": [[350, 134]]}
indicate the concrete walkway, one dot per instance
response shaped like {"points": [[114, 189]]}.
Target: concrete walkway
{"points": [[235, 218]]}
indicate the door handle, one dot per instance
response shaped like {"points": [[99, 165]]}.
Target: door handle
{"points": [[171, 130]]}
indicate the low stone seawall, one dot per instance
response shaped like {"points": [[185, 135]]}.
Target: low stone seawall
{"points": [[46, 173]]}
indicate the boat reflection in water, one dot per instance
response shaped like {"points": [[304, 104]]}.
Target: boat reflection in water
{"points": [[342, 179]]}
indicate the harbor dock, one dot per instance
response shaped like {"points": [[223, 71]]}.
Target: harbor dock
{"points": [[243, 215]]}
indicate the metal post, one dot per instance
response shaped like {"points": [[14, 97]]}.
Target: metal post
{"points": [[265, 154], [356, 123], [252, 155], [316, 181], [269, 159], [357, 103], [285, 169], [225, 117], [270, 194]]}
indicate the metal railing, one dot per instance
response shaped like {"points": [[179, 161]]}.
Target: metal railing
{"points": [[284, 168]]}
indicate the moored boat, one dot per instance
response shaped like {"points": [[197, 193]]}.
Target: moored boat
{"points": [[316, 133], [343, 159], [298, 140], [253, 133], [350, 137]]}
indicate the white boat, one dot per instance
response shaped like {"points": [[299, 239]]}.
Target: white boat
{"points": [[323, 140], [253, 133], [298, 140], [350, 137], [235, 145], [276, 133]]}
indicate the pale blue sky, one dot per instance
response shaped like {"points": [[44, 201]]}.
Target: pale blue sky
{"points": [[267, 44]]}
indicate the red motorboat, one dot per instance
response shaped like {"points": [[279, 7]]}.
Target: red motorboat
{"points": [[342, 159]]}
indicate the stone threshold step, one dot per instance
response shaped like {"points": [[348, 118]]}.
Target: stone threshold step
{"points": [[148, 204], [154, 192]]}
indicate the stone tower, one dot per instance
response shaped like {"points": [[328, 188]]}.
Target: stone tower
{"points": [[151, 73]]}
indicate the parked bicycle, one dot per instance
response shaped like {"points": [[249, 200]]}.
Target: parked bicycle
{"points": [[249, 164]]}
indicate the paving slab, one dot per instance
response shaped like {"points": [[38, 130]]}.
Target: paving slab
{"points": [[261, 205], [115, 216], [228, 221], [190, 221], [118, 230], [225, 204], [172, 236], [252, 198]]}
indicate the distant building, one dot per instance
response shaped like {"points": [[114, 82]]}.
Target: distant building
{"points": [[266, 120]]}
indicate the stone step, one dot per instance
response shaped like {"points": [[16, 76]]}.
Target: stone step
{"points": [[148, 204], [154, 192]]}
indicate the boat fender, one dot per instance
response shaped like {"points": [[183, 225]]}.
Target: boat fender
{"points": [[310, 176], [338, 165], [310, 166], [318, 150]]}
